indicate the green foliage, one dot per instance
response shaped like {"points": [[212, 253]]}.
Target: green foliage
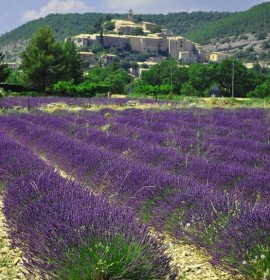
{"points": [[255, 20], [73, 62], [167, 72], [67, 25], [183, 22], [114, 77], [188, 90], [85, 89], [261, 90], [198, 79], [4, 70], [138, 31], [257, 263], [88, 89], [109, 259], [244, 80], [108, 25], [155, 29], [201, 77], [16, 77], [43, 60], [153, 90], [65, 88]]}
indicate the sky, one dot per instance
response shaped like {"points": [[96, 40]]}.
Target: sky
{"points": [[14, 13]]}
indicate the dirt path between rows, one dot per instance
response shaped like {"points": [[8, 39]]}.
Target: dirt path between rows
{"points": [[11, 261]]}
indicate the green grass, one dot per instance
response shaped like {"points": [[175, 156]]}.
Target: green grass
{"points": [[101, 259]]}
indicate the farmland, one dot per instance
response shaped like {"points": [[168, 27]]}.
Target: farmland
{"points": [[200, 176]]}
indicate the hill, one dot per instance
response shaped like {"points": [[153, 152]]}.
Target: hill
{"points": [[72, 24], [255, 21], [244, 34]]}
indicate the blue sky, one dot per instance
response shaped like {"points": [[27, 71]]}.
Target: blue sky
{"points": [[14, 13]]}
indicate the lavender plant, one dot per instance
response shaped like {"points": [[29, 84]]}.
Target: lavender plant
{"points": [[67, 232], [209, 188]]}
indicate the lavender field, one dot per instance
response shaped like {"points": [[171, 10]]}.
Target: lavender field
{"points": [[201, 176], [37, 102]]}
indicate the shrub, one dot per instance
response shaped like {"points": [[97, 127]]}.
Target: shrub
{"points": [[261, 91], [153, 90]]}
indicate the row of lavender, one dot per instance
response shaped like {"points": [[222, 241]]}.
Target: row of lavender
{"points": [[233, 229], [36, 102], [241, 169], [67, 232]]}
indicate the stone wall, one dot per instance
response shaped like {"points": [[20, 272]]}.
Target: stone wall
{"points": [[173, 45]]}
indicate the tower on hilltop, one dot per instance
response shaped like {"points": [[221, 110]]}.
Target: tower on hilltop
{"points": [[130, 15]]}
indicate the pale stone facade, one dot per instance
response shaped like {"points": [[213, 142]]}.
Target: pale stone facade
{"points": [[88, 57], [178, 47], [125, 26], [217, 56]]}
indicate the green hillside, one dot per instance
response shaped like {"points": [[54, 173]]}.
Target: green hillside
{"points": [[255, 21], [71, 24], [62, 25], [212, 28]]}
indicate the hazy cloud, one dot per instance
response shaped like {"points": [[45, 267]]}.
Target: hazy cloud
{"points": [[58, 6]]}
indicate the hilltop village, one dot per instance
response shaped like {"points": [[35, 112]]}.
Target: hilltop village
{"points": [[158, 43]]}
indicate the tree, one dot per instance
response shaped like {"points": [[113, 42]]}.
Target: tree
{"points": [[201, 77], [73, 63], [108, 26], [4, 70], [167, 72], [230, 69], [155, 29], [43, 60], [261, 91], [188, 90], [115, 78], [138, 31]]}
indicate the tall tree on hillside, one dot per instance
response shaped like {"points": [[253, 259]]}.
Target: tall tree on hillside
{"points": [[4, 70], [73, 63], [43, 60]]}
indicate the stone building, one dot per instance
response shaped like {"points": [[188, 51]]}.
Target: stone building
{"points": [[131, 15], [177, 47], [88, 58]]}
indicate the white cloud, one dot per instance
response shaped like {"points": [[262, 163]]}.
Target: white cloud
{"points": [[58, 6]]}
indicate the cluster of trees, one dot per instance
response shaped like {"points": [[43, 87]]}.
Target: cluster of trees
{"points": [[198, 79], [98, 80]]}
